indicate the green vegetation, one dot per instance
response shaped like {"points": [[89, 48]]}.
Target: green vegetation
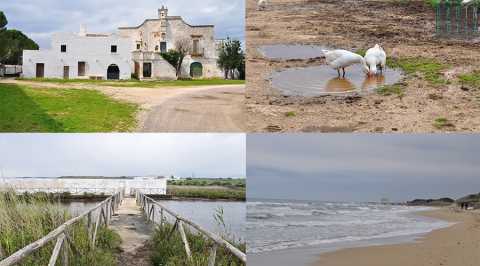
{"points": [[224, 182], [428, 68], [231, 59], [142, 84], [290, 114], [395, 89], [172, 57], [24, 220], [211, 193], [442, 122], [12, 43], [472, 79], [26, 109], [169, 250]]}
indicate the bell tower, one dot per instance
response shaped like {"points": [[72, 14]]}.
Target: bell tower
{"points": [[163, 13]]}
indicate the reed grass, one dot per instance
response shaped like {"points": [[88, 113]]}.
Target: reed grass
{"points": [[27, 218], [169, 250]]}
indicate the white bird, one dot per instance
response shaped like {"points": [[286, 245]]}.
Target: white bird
{"points": [[340, 59], [262, 4], [374, 57]]}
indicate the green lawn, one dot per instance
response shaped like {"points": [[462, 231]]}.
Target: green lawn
{"points": [[144, 84], [26, 109]]}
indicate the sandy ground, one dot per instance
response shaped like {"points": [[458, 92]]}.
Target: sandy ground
{"points": [[134, 232], [457, 245], [403, 28], [175, 109]]}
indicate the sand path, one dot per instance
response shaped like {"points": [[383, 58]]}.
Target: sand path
{"points": [[218, 108], [134, 231]]}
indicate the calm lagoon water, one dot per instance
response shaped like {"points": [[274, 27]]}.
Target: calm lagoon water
{"points": [[200, 212]]}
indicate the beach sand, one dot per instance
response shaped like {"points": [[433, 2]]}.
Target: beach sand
{"points": [[457, 245]]}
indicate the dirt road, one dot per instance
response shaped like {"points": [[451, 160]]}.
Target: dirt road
{"points": [[404, 28], [218, 108]]}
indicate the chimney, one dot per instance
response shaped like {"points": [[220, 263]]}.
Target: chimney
{"points": [[83, 31]]}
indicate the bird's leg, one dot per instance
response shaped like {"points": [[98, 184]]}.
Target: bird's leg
{"points": [[343, 71], [338, 70]]}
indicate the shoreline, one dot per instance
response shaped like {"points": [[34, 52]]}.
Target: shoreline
{"points": [[455, 245]]}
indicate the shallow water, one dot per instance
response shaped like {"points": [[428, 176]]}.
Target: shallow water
{"points": [[284, 225], [202, 213], [322, 80], [291, 51]]}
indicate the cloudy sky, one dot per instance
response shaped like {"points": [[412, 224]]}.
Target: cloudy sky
{"points": [[362, 167], [40, 18], [205, 155]]}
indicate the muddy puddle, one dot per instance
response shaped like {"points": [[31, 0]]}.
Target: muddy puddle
{"points": [[323, 80], [291, 51]]}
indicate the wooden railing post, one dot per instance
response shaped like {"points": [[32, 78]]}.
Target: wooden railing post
{"points": [[213, 255], [94, 236], [161, 217], [56, 250], [184, 239], [65, 254]]}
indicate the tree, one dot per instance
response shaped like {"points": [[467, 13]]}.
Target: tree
{"points": [[3, 21], [232, 58], [12, 43], [183, 47], [175, 56], [171, 57]]}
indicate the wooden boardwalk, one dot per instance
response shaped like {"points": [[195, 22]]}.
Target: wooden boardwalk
{"points": [[134, 221], [134, 231]]}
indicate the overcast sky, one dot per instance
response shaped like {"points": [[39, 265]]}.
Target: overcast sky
{"points": [[362, 167], [40, 18], [205, 155]]}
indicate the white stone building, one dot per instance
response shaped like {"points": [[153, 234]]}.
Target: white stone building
{"points": [[82, 55], [133, 50], [78, 186], [158, 35]]}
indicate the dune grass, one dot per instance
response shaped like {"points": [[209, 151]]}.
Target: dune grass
{"points": [[25, 219], [26, 109], [143, 84], [169, 250]]}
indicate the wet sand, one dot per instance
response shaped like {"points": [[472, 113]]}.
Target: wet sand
{"points": [[457, 245]]}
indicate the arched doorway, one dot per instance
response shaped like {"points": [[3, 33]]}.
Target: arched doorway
{"points": [[113, 72], [196, 70]]}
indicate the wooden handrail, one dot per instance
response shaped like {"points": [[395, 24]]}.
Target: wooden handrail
{"points": [[144, 200], [60, 233]]}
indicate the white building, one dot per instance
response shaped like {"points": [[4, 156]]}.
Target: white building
{"points": [[133, 50], [80, 55], [78, 186], [155, 36]]}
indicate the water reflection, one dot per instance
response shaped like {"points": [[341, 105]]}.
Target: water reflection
{"points": [[321, 80]]}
